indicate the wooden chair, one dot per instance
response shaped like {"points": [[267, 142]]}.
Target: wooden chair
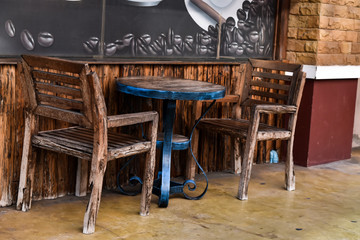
{"points": [[70, 92], [270, 87]]}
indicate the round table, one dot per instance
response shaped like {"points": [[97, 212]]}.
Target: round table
{"points": [[169, 89]]}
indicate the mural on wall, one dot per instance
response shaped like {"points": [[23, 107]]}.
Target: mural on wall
{"points": [[138, 28]]}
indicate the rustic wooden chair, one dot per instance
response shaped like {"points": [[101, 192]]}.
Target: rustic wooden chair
{"points": [[270, 87], [70, 92]]}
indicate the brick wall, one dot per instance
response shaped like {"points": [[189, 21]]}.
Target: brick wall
{"points": [[324, 32]]}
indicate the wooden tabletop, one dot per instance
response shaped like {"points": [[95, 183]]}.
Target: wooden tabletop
{"points": [[169, 88]]}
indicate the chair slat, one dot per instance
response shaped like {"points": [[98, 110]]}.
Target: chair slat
{"points": [[74, 143], [275, 65], [272, 75], [71, 92], [268, 95], [63, 103], [128, 151], [270, 85], [63, 115], [266, 132], [48, 144], [83, 135], [227, 126], [251, 102], [240, 128], [78, 141], [55, 77], [57, 64], [70, 138]]}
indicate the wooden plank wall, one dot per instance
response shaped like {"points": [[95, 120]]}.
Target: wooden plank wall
{"points": [[11, 124], [55, 173]]}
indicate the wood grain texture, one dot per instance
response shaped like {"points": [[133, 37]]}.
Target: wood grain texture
{"points": [[270, 88], [7, 133], [88, 142], [169, 88], [12, 135]]}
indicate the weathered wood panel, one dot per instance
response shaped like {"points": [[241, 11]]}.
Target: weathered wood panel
{"points": [[214, 150], [8, 135]]}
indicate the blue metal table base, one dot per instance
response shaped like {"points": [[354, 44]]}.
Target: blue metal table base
{"points": [[178, 188], [135, 184], [162, 186]]}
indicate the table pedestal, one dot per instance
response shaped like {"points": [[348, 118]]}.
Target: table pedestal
{"points": [[169, 108], [170, 90], [163, 187]]}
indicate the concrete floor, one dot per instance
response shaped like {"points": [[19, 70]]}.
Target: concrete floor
{"points": [[325, 205]]}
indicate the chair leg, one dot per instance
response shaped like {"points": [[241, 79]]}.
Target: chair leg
{"points": [[92, 209], [148, 184], [81, 178], [27, 169], [289, 167], [237, 155], [98, 168], [26, 182], [147, 187], [246, 168]]}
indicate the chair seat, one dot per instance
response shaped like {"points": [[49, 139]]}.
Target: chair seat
{"points": [[239, 128], [78, 142]]}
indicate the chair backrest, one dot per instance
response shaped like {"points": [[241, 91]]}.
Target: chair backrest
{"points": [[269, 81], [58, 89]]}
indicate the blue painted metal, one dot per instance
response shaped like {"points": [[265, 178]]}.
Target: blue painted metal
{"points": [[169, 107], [179, 187], [170, 95], [176, 188], [174, 145], [163, 187], [133, 181]]}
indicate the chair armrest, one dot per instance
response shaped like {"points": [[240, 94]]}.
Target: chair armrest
{"points": [[131, 118], [276, 108]]}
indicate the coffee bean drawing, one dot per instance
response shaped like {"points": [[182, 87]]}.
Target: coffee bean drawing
{"points": [[127, 39], [27, 40], [119, 44], [254, 37], [146, 39], [253, 31], [94, 42], [10, 28], [248, 34], [177, 39], [87, 46], [92, 45], [110, 49], [45, 39]]}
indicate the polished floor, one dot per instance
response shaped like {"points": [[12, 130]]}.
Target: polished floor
{"points": [[325, 205]]}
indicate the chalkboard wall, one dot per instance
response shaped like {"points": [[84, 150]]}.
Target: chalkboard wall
{"points": [[150, 29]]}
